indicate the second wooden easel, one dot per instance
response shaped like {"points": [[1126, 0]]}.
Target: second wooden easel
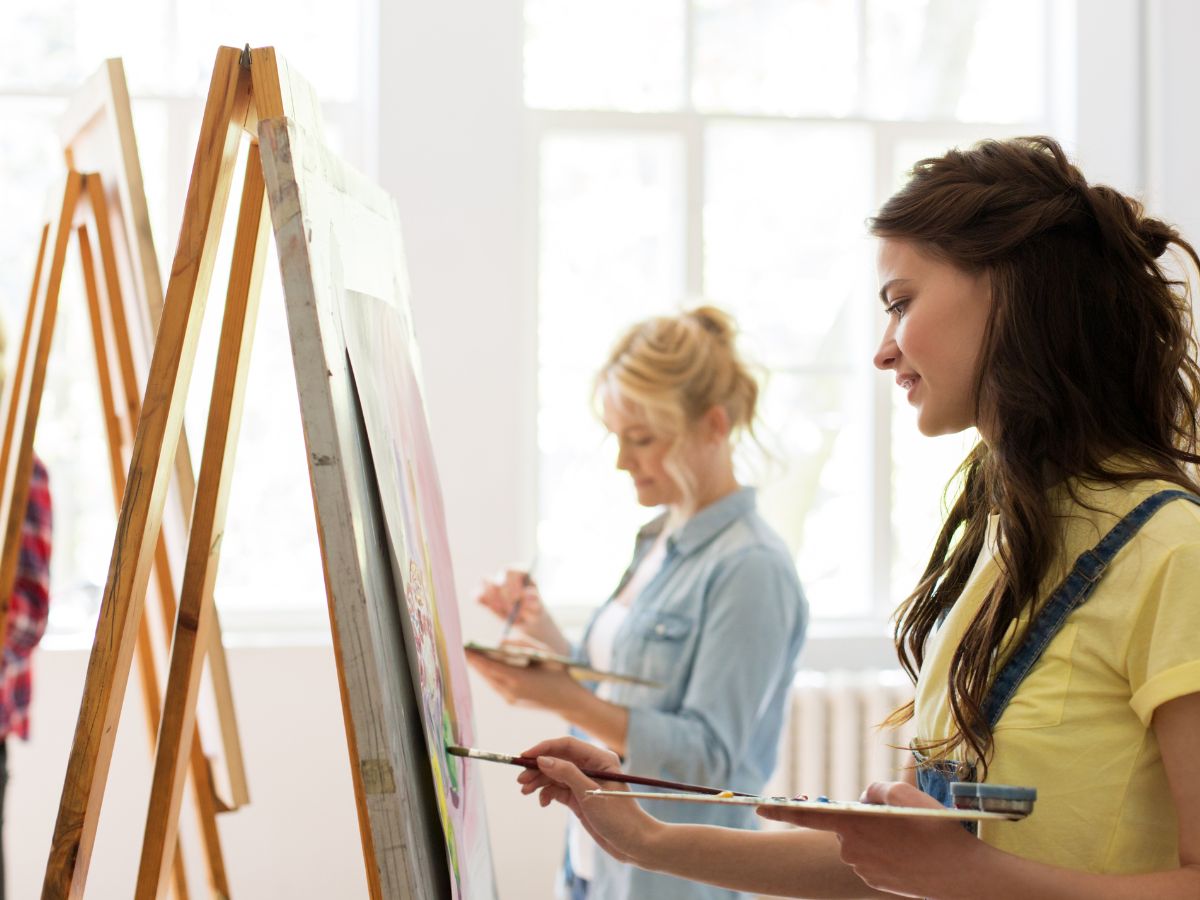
{"points": [[119, 282]]}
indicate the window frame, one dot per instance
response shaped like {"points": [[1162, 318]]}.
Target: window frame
{"points": [[689, 125]]}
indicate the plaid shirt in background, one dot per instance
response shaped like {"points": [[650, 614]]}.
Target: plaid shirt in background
{"points": [[27, 608]]}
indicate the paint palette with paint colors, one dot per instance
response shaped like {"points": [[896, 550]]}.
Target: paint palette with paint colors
{"points": [[999, 802]]}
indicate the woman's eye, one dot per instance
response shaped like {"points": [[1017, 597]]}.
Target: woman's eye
{"points": [[896, 309]]}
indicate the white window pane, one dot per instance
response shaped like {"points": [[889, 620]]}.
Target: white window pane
{"points": [[589, 512], [58, 43], [270, 558], [30, 160], [620, 54], [137, 31], [80, 482], [785, 242], [970, 60], [39, 44], [611, 226], [793, 57], [152, 130], [921, 469], [321, 39], [1006, 73], [815, 490]]}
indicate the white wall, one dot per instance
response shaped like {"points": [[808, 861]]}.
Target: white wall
{"points": [[1171, 79], [299, 836], [1134, 126]]}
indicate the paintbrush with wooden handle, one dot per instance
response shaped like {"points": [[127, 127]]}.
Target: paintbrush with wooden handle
{"points": [[529, 762]]}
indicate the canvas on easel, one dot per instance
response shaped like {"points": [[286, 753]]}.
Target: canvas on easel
{"points": [[346, 290], [404, 837]]}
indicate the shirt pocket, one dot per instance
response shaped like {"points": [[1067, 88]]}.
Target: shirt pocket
{"points": [[1041, 698], [666, 639]]}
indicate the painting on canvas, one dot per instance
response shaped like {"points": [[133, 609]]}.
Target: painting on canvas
{"points": [[383, 360]]}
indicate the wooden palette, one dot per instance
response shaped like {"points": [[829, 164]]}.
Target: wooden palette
{"points": [[516, 655], [829, 807]]}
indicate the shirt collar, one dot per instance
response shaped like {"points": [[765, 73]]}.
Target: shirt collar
{"points": [[704, 525]]}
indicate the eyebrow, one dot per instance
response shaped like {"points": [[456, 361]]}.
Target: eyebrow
{"points": [[883, 290]]}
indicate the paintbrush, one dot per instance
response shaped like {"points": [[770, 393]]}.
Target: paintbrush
{"points": [[526, 581], [529, 762]]}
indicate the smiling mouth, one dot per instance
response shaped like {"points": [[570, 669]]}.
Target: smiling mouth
{"points": [[907, 382]]}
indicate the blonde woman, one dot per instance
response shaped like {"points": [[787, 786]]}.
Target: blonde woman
{"points": [[710, 606]]}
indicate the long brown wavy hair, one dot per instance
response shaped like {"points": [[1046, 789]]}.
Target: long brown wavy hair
{"points": [[1088, 354]]}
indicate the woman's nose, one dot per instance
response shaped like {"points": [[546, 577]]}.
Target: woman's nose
{"points": [[622, 460], [888, 352]]}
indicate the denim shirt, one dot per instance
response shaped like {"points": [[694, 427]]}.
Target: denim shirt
{"points": [[719, 626]]}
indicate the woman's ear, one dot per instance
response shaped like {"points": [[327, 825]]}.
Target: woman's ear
{"points": [[716, 423]]}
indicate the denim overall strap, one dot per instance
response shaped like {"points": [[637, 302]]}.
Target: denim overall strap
{"points": [[936, 777], [1072, 592]]}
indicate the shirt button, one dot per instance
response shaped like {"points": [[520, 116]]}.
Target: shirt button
{"points": [[660, 629]]}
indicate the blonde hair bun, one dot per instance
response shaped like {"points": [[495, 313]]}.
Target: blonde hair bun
{"points": [[677, 368], [716, 322]]}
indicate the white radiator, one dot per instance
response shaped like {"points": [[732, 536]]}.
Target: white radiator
{"points": [[831, 744]]}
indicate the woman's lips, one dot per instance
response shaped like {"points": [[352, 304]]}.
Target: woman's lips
{"points": [[908, 383]]}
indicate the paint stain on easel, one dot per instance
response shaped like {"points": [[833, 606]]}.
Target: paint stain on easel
{"points": [[377, 776]]}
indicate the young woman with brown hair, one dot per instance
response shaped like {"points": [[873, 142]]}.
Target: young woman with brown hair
{"points": [[1053, 636]]}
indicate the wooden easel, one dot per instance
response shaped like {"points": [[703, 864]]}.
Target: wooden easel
{"points": [[97, 135], [240, 94], [83, 208]]}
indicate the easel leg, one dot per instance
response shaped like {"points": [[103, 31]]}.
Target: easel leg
{"points": [[195, 618], [218, 668], [117, 435], [206, 803], [374, 888], [26, 396], [149, 472]]}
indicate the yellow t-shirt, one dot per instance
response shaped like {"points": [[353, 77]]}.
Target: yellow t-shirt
{"points": [[1078, 727]]}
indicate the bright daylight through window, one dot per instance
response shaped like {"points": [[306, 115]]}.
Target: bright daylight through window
{"points": [[718, 150]]}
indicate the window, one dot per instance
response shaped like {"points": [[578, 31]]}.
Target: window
{"points": [[270, 559], [730, 151]]}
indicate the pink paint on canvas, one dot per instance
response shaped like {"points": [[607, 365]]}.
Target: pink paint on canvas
{"points": [[384, 361]]}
